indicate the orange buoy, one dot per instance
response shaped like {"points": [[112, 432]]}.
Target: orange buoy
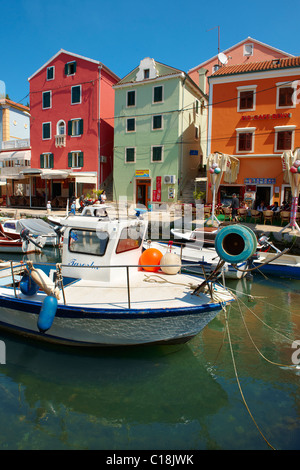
{"points": [[151, 256]]}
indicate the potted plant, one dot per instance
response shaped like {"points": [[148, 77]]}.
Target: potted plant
{"points": [[199, 196]]}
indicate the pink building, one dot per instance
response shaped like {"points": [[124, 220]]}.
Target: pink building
{"points": [[248, 50], [72, 128]]}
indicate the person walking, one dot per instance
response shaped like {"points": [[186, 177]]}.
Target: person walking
{"points": [[234, 206]]}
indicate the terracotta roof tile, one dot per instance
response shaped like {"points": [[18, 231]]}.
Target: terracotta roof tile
{"points": [[249, 67]]}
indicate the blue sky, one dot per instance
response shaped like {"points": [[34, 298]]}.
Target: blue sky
{"points": [[120, 33]]}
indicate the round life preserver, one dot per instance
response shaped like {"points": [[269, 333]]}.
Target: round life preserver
{"points": [[235, 244]]}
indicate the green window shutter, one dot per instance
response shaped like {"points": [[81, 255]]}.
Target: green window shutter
{"points": [[42, 161], [74, 66], [80, 159], [69, 127], [51, 160], [70, 159], [66, 69], [81, 126]]}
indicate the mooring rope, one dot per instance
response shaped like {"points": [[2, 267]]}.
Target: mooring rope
{"points": [[238, 382]]}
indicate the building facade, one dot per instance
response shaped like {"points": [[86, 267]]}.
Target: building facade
{"points": [[254, 115], [159, 135], [72, 121], [246, 51], [15, 151]]}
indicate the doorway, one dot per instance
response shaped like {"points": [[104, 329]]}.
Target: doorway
{"points": [[143, 192], [263, 194]]}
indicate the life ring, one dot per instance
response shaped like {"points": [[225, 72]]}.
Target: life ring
{"points": [[235, 244]]}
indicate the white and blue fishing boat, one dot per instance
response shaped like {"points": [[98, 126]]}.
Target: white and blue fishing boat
{"points": [[100, 295]]}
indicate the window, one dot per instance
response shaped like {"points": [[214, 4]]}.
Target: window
{"points": [[76, 94], [146, 73], [246, 98], [284, 138], [61, 128], [130, 155], [50, 73], [46, 160], [130, 125], [46, 99], [158, 94], [88, 242], [285, 97], [75, 127], [75, 159], [197, 106], [245, 139], [46, 130], [248, 49], [130, 239], [157, 122], [70, 68], [197, 132], [157, 153], [130, 98]]}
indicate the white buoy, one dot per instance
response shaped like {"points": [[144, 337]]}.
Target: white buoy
{"points": [[172, 259]]}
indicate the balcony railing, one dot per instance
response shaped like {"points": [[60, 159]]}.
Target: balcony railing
{"points": [[60, 140], [15, 144]]}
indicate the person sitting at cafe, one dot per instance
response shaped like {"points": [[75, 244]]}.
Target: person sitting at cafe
{"points": [[284, 206], [261, 207], [275, 207]]}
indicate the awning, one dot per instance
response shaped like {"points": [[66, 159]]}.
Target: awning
{"points": [[46, 173], [16, 155], [84, 177]]}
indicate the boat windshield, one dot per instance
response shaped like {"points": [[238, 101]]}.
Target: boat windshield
{"points": [[88, 242]]}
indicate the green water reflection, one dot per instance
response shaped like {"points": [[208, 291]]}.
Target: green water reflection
{"points": [[183, 397]]}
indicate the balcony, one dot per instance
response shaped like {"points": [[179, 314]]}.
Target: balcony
{"points": [[60, 140], [15, 144]]}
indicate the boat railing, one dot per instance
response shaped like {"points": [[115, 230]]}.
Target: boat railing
{"points": [[59, 278]]}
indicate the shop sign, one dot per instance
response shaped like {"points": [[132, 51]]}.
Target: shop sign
{"points": [[156, 196], [260, 181], [142, 173], [258, 117]]}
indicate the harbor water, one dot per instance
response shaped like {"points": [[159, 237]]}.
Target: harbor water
{"points": [[230, 388]]}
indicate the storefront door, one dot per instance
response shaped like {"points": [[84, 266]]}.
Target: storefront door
{"points": [[263, 194], [143, 192]]}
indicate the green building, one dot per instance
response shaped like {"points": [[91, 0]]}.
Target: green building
{"points": [[159, 134]]}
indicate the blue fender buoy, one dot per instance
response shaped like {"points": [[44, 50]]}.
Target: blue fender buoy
{"points": [[47, 313], [28, 286], [235, 243]]}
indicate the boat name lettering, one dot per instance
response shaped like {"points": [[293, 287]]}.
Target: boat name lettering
{"points": [[74, 262], [296, 354], [2, 352]]}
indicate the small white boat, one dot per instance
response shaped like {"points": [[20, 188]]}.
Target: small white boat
{"points": [[196, 258], [24, 244], [204, 236], [101, 295], [37, 228]]}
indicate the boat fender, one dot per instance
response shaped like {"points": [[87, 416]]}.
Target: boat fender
{"points": [[44, 282], [235, 244], [170, 259], [150, 259], [47, 313], [28, 286]]}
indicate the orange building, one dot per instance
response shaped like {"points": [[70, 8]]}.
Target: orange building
{"points": [[254, 115]]}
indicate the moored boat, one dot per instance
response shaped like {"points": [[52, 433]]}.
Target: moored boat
{"points": [[101, 295]]}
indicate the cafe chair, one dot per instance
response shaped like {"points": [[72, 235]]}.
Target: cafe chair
{"points": [[256, 215], [227, 211], [268, 216], [242, 213], [284, 216]]}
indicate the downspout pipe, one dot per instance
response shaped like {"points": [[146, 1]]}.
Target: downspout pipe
{"points": [[99, 127], [181, 153]]}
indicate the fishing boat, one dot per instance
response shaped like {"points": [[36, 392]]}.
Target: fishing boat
{"points": [[22, 244], [285, 265], [38, 228], [105, 294], [205, 236], [196, 258]]}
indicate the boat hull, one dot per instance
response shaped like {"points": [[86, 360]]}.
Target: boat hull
{"points": [[76, 326]]}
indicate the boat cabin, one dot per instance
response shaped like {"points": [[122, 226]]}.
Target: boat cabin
{"points": [[92, 246]]}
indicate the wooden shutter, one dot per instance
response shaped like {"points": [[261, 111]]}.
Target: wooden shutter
{"points": [[51, 160], [69, 127], [42, 161], [81, 126], [80, 159], [70, 159]]}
